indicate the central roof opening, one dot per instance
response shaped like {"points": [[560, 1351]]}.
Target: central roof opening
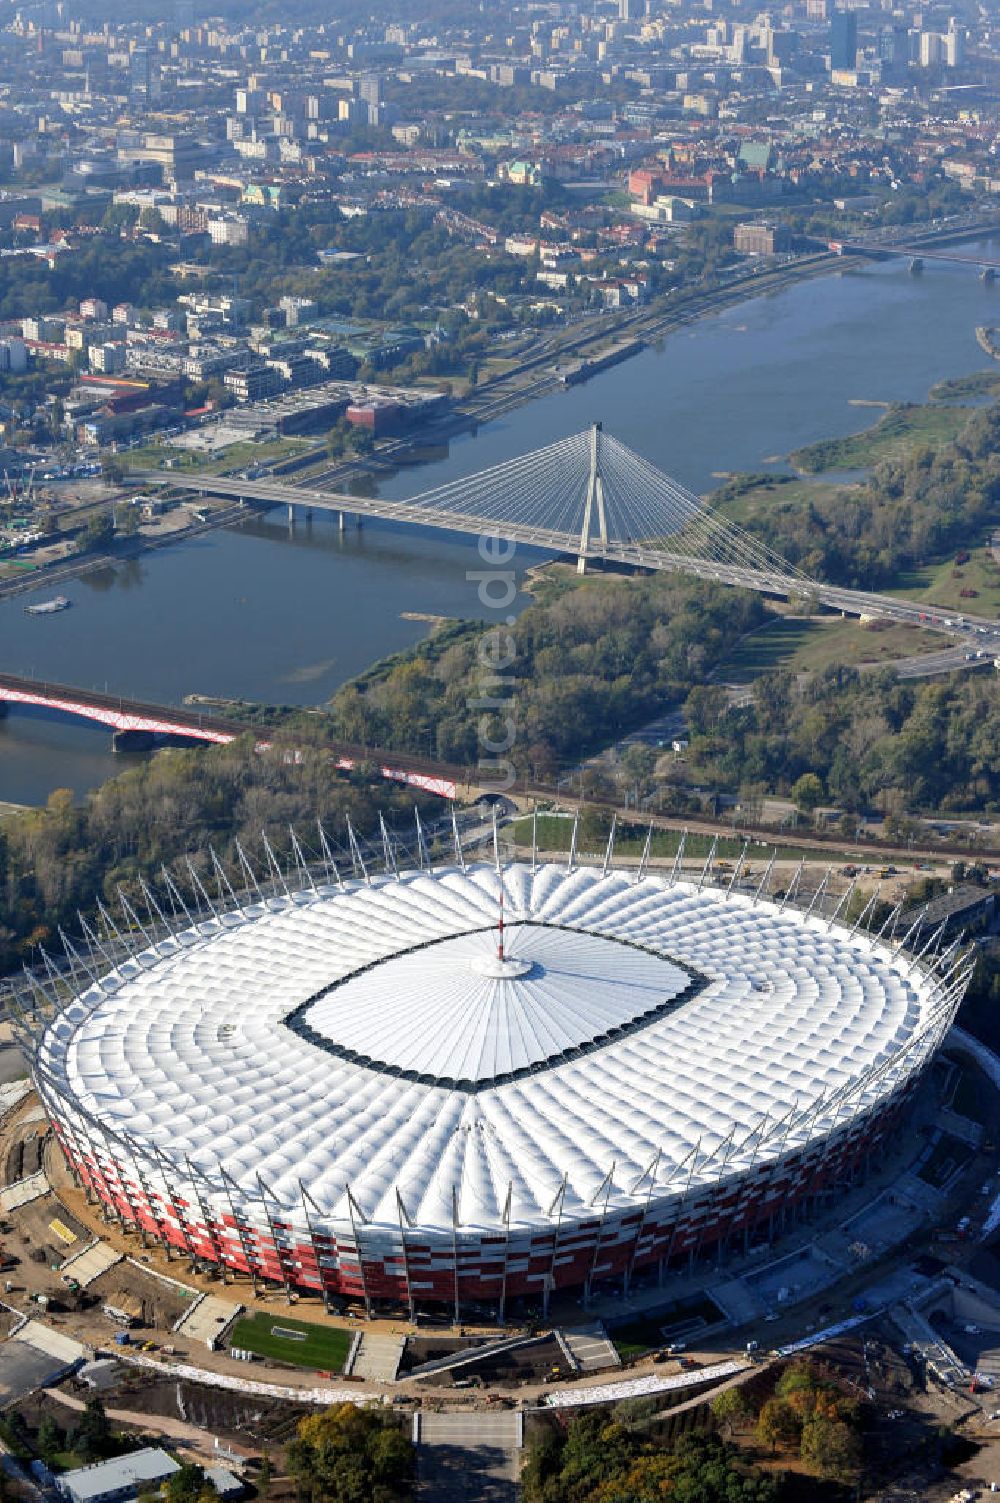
{"points": [[455, 1013]]}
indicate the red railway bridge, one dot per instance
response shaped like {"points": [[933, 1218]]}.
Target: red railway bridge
{"points": [[135, 725]]}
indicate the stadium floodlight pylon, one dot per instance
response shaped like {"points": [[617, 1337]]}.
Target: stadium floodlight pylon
{"points": [[592, 494]]}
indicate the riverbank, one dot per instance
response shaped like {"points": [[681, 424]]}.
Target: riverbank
{"points": [[494, 397], [271, 611], [902, 428], [143, 541], [538, 374]]}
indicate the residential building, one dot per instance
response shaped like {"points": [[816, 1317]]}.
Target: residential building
{"points": [[254, 384]]}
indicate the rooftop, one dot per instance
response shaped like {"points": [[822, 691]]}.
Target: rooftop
{"points": [[88, 1484], [371, 1038]]}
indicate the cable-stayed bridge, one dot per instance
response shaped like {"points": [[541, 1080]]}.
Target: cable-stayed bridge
{"points": [[588, 496]]}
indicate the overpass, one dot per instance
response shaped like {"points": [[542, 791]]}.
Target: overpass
{"points": [[591, 497], [136, 725]]}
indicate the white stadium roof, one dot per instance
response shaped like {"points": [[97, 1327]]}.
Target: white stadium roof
{"points": [[359, 1038]]}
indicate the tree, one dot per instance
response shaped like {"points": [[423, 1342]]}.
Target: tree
{"points": [[807, 792], [347, 1454], [830, 1447], [50, 1438], [118, 217], [777, 1425], [730, 1409], [704, 708], [152, 221], [604, 1461], [126, 520], [98, 534], [93, 1439], [187, 1484]]}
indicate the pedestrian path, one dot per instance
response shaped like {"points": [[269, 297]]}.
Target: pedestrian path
{"points": [[468, 1456], [590, 1348], [378, 1358]]}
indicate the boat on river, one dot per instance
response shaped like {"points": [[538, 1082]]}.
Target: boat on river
{"points": [[48, 607]]}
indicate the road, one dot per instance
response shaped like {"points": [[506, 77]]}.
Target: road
{"points": [[157, 1424], [929, 664]]}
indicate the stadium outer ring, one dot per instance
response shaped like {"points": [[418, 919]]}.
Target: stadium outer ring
{"points": [[411, 1265]]}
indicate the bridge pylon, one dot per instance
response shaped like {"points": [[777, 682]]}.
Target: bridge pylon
{"points": [[594, 501]]}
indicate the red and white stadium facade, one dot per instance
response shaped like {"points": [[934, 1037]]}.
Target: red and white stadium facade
{"points": [[365, 1091]]}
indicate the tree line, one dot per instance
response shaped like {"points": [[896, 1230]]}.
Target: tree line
{"points": [[862, 740], [58, 861], [607, 1457], [587, 664], [909, 512]]}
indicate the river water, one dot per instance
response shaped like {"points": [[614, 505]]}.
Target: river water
{"points": [[286, 615]]}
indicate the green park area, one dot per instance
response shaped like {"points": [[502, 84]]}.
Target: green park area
{"points": [[323, 1348], [555, 833], [807, 644], [752, 499], [977, 386], [244, 453], [944, 583], [903, 427]]}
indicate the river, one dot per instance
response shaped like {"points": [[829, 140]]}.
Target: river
{"points": [[265, 611]]}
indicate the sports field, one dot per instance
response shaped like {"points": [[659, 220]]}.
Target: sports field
{"points": [[293, 1341]]}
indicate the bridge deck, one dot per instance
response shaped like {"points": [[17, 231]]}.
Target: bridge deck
{"points": [[633, 552], [130, 715]]}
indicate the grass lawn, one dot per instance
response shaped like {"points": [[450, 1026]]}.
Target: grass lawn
{"points": [[65, 1461], [242, 453], [904, 427], [320, 1347], [943, 583], [812, 644], [746, 503], [554, 832]]}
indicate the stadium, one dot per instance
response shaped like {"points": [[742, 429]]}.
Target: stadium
{"points": [[477, 1085]]}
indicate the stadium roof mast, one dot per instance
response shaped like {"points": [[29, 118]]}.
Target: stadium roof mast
{"points": [[595, 498]]}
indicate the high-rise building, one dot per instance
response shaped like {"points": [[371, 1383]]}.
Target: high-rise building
{"points": [[954, 44], [141, 76], [372, 89], [843, 40], [931, 48]]}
